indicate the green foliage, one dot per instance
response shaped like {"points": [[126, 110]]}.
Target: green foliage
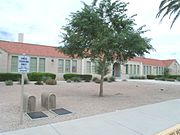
{"points": [[38, 83], [97, 81], [112, 79], [170, 79], [151, 76], [178, 78], [160, 78], [94, 79], [105, 79], [102, 68], [9, 83], [51, 82], [169, 7], [37, 76], [138, 77], [68, 80], [83, 77], [76, 79], [9, 76]]}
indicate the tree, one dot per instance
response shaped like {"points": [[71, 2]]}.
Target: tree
{"points": [[104, 33], [169, 7]]}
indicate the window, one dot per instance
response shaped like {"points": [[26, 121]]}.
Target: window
{"points": [[126, 68], [60, 66], [33, 64], [74, 66], [14, 64], [131, 69], [88, 67], [138, 69], [156, 70], [41, 64], [94, 67], [147, 70], [159, 70], [150, 70], [67, 66], [144, 70], [135, 69]]}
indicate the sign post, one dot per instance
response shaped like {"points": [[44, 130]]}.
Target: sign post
{"points": [[23, 67]]}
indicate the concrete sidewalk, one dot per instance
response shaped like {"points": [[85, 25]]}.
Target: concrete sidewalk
{"points": [[144, 120]]}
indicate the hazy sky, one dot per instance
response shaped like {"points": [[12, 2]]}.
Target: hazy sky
{"points": [[41, 21]]}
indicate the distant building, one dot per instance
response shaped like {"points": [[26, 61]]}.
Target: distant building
{"points": [[49, 59]]}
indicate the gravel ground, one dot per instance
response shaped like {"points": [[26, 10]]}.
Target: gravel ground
{"points": [[82, 99]]}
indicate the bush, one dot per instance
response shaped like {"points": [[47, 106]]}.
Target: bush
{"points": [[137, 77], [87, 80], [9, 83], [97, 81], [151, 76], [94, 79], [68, 80], [38, 83], [83, 77], [170, 79], [112, 79], [160, 78], [178, 78], [76, 79], [51, 82], [9, 76], [105, 79], [37, 76]]}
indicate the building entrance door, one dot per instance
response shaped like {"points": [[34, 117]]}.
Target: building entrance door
{"points": [[116, 70]]}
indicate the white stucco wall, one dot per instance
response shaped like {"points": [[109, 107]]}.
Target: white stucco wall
{"points": [[174, 68], [3, 61]]}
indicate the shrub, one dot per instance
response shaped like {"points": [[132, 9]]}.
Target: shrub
{"points": [[137, 77], [112, 79], [38, 83], [151, 76], [83, 77], [97, 81], [170, 79], [68, 80], [9, 76], [37, 76], [105, 79], [178, 78], [160, 78], [87, 80], [76, 79], [94, 79], [9, 83], [51, 82]]}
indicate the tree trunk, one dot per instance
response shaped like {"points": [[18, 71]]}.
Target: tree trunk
{"points": [[101, 85], [102, 80]]}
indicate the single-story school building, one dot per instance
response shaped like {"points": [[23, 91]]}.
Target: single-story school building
{"points": [[49, 59]]}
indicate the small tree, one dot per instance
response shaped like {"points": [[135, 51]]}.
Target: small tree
{"points": [[105, 33]]}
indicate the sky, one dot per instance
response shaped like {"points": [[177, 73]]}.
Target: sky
{"points": [[41, 22]]}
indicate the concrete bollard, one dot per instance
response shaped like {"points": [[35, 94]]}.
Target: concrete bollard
{"points": [[29, 103], [48, 100]]}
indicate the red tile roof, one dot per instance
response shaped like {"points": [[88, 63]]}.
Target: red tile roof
{"points": [[153, 62], [31, 49]]}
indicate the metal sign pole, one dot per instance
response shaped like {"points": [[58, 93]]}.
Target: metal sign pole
{"points": [[22, 96]]}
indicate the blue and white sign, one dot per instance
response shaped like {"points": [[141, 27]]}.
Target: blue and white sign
{"points": [[23, 64]]}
